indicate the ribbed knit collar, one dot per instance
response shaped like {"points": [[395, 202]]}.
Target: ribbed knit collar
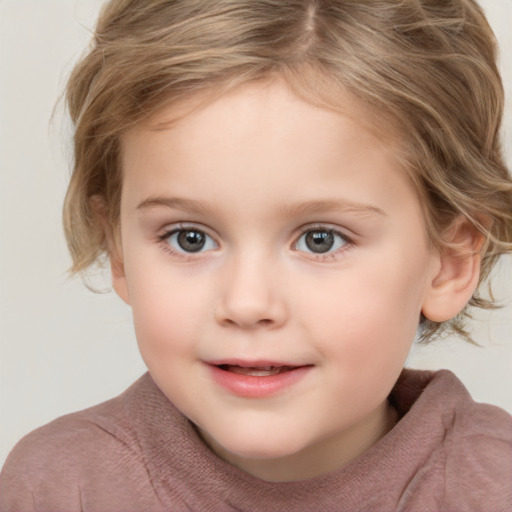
{"points": [[179, 462]]}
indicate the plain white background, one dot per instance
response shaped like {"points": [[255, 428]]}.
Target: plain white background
{"points": [[63, 348]]}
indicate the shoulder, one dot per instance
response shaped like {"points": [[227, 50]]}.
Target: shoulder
{"points": [[468, 423], [94, 448], [467, 461], [68, 438], [478, 456]]}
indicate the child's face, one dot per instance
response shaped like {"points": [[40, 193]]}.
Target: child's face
{"points": [[261, 232]]}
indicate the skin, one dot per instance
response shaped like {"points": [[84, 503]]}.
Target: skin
{"points": [[254, 171]]}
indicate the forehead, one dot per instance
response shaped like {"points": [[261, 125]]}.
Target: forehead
{"points": [[271, 103], [269, 113], [313, 90], [260, 145]]}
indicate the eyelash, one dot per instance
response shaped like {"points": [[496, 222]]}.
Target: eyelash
{"points": [[186, 256], [329, 255]]}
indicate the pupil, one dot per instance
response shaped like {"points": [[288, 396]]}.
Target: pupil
{"points": [[191, 241], [320, 241]]}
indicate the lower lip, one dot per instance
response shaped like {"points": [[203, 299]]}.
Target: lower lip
{"points": [[250, 386]]}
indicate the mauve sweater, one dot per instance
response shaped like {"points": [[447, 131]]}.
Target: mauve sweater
{"points": [[138, 453]]}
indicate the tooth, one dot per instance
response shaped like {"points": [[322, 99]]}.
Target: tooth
{"points": [[264, 371]]}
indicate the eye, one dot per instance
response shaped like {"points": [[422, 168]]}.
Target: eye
{"points": [[321, 241], [190, 241]]}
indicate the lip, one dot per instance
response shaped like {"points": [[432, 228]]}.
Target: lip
{"points": [[251, 386]]}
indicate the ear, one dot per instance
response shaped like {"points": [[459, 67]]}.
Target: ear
{"points": [[113, 246], [118, 275], [457, 274]]}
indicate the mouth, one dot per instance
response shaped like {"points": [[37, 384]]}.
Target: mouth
{"points": [[256, 371], [257, 379]]}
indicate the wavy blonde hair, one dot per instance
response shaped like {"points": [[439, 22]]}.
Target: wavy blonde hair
{"points": [[426, 66]]}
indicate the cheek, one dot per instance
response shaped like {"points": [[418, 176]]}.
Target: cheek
{"points": [[166, 310], [369, 318]]}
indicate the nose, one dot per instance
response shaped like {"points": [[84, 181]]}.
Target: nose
{"points": [[251, 295]]}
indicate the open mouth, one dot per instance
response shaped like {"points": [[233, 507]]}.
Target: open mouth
{"points": [[256, 379], [256, 371]]}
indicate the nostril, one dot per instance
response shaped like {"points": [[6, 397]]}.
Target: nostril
{"points": [[250, 312], [264, 322]]}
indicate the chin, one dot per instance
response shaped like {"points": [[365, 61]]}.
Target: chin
{"points": [[261, 452], [261, 447]]}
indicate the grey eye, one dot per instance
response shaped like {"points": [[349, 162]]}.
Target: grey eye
{"points": [[320, 241], [190, 240]]}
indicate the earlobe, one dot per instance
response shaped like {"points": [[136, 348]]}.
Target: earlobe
{"points": [[457, 274], [119, 278], [113, 247], [119, 282]]}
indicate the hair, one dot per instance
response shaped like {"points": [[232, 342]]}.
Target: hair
{"points": [[427, 67]]}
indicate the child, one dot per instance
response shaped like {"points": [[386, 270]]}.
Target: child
{"points": [[287, 192]]}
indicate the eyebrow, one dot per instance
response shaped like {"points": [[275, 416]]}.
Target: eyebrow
{"points": [[321, 206], [177, 203], [307, 207]]}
